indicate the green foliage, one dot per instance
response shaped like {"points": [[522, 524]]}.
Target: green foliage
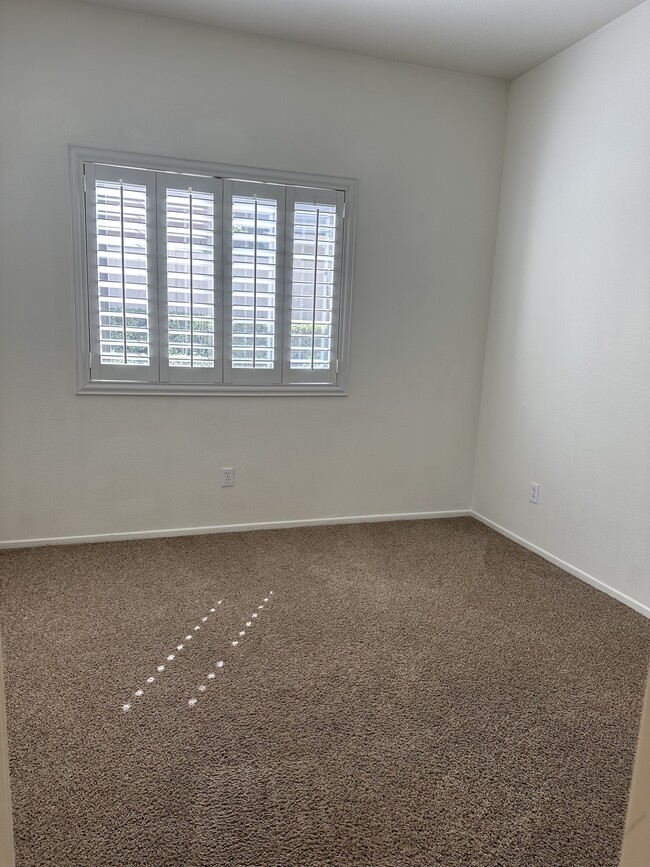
{"points": [[320, 329]]}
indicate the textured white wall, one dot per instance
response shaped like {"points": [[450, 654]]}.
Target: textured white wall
{"points": [[427, 147], [566, 394]]}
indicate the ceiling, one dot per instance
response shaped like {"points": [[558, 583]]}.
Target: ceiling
{"points": [[500, 38]]}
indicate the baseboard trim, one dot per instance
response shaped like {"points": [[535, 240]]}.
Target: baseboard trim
{"points": [[330, 521], [232, 528], [568, 567]]}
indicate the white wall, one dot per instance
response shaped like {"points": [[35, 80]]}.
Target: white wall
{"points": [[427, 147], [566, 395]]}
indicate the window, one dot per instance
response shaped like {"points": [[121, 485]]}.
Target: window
{"points": [[207, 279]]}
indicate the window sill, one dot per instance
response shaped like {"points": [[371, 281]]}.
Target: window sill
{"points": [[165, 388]]}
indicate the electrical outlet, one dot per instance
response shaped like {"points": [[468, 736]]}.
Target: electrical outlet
{"points": [[227, 477], [534, 493]]}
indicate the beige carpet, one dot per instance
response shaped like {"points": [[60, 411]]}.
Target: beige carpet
{"points": [[421, 693]]}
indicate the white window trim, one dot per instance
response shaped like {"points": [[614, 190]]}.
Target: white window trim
{"points": [[85, 385]]}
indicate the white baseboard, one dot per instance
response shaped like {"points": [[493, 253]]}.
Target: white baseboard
{"points": [[318, 522], [231, 528], [568, 567]]}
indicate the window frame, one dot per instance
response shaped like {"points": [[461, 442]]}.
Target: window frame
{"points": [[223, 174]]}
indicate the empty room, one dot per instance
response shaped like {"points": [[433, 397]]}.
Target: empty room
{"points": [[324, 433]]}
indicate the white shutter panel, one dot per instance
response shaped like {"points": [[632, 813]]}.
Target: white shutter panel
{"points": [[313, 267], [121, 252], [253, 231], [189, 278]]}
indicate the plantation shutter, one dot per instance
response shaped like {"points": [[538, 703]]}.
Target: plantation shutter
{"points": [[200, 278], [189, 277], [253, 232], [121, 256], [313, 278]]}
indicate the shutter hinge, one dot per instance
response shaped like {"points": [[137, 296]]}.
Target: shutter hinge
{"points": [[344, 206], [90, 359], [337, 365], [84, 180]]}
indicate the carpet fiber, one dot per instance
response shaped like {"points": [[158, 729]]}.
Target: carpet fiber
{"points": [[414, 693]]}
